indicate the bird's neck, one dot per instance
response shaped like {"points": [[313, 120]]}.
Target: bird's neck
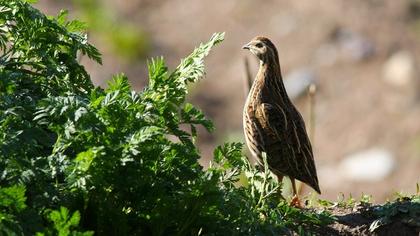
{"points": [[270, 69], [269, 77]]}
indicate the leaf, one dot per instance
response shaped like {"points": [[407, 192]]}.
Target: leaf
{"points": [[147, 133], [157, 71], [84, 159], [192, 115], [62, 17], [192, 67], [190, 70], [64, 223], [76, 26], [13, 197], [79, 113], [75, 218], [229, 155], [119, 83]]}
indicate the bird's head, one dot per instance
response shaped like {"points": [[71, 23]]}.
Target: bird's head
{"points": [[263, 48]]}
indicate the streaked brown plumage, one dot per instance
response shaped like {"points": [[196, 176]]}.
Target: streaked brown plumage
{"points": [[273, 125]]}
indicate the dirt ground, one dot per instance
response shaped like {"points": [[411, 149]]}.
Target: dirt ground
{"points": [[357, 220], [355, 109]]}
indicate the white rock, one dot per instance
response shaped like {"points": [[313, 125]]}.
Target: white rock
{"points": [[369, 165], [298, 81], [399, 69]]}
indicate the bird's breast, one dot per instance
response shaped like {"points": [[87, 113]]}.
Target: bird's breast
{"points": [[250, 124]]}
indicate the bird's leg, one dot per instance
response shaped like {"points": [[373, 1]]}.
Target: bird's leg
{"points": [[280, 179], [295, 199]]}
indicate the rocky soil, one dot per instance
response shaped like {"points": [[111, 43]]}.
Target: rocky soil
{"points": [[362, 218]]}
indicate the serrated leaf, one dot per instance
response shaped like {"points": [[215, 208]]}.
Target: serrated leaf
{"points": [[62, 17], [13, 196], [157, 71], [79, 113], [76, 26], [119, 83], [84, 159]]}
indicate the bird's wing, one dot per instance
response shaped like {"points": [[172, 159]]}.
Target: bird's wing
{"points": [[309, 174], [273, 119], [289, 144]]}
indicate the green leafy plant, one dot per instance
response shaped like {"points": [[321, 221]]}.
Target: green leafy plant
{"points": [[63, 223], [12, 203], [123, 162]]}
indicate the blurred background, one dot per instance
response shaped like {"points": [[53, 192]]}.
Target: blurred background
{"points": [[361, 54]]}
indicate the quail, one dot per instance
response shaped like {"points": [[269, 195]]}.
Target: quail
{"points": [[273, 125]]}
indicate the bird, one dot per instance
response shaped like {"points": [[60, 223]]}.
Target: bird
{"points": [[273, 125]]}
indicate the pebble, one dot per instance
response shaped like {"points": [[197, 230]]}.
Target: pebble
{"points": [[399, 69], [370, 165]]}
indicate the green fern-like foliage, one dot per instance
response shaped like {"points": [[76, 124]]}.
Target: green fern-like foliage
{"points": [[114, 161]]}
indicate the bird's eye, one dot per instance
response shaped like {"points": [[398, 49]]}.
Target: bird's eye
{"points": [[259, 45]]}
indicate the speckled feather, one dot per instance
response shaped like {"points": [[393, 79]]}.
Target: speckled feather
{"points": [[273, 125]]}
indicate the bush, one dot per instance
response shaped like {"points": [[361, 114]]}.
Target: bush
{"points": [[76, 158]]}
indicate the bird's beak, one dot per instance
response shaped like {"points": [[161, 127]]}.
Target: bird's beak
{"points": [[246, 46]]}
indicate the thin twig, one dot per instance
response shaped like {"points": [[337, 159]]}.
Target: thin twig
{"points": [[248, 82], [312, 118]]}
